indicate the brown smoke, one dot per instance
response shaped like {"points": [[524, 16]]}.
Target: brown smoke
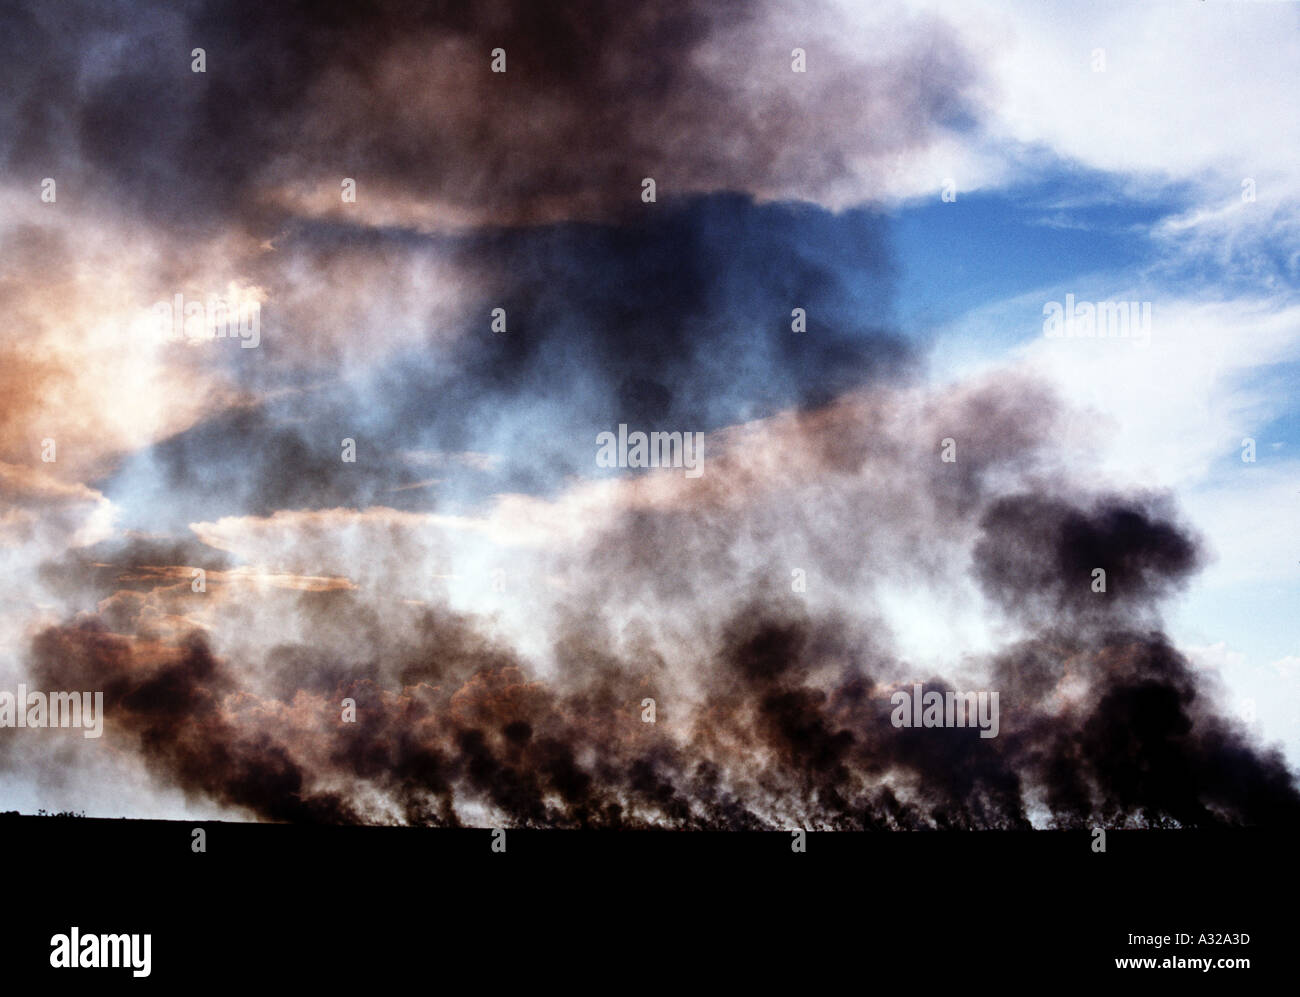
{"points": [[1102, 720]]}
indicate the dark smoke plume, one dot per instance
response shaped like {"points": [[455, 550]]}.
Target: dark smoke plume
{"points": [[523, 190], [1103, 721]]}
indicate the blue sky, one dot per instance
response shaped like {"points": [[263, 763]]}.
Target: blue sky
{"points": [[989, 246]]}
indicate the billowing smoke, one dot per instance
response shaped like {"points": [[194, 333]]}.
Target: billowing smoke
{"points": [[777, 713], [288, 635]]}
